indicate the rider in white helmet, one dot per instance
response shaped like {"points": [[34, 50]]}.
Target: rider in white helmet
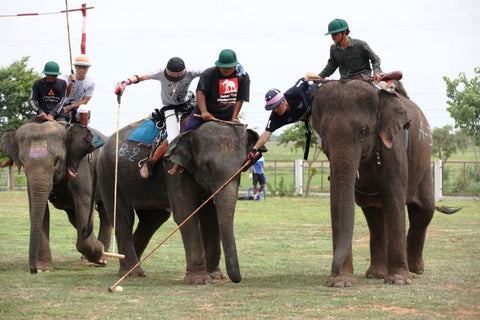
{"points": [[79, 91]]}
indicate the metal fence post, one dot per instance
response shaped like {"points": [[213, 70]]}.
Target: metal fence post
{"points": [[299, 176]]}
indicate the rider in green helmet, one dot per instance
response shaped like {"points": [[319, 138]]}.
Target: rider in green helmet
{"points": [[48, 95], [352, 57]]}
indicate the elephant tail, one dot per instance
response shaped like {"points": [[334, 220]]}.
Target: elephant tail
{"points": [[447, 210]]}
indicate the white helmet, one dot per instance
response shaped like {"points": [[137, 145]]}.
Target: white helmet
{"points": [[82, 60]]}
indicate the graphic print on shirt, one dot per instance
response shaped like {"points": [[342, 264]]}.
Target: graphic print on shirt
{"points": [[227, 91]]}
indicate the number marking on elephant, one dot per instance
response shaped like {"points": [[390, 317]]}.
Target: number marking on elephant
{"points": [[135, 152], [38, 148], [425, 134], [123, 152]]}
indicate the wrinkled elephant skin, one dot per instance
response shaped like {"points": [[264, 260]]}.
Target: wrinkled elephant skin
{"points": [[379, 147], [151, 199], [45, 150]]}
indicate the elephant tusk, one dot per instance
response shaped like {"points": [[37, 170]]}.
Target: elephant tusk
{"points": [[358, 175]]}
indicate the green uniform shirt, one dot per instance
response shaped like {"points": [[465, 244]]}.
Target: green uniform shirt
{"points": [[351, 61]]}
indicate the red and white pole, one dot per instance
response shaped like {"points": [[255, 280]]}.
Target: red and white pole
{"points": [[84, 29]]}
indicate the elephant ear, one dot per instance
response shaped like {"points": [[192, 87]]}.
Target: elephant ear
{"points": [[9, 146], [392, 118], [180, 150], [252, 139], [81, 142]]}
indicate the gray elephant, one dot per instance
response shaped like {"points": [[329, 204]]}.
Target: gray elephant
{"points": [[53, 155], [209, 156], [379, 147]]}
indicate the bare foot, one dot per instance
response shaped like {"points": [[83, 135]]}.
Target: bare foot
{"points": [[176, 169], [144, 172]]}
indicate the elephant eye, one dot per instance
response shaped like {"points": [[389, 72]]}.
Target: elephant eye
{"points": [[363, 132], [56, 162]]}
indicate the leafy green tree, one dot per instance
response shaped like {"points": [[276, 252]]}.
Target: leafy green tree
{"points": [[464, 101], [444, 142], [16, 82], [295, 137]]}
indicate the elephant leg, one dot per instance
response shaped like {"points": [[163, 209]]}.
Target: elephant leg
{"points": [[394, 216], [105, 232], [90, 247], [211, 240], [45, 255], [420, 213], [149, 221], [124, 228], [345, 277], [378, 242], [193, 245], [71, 217]]}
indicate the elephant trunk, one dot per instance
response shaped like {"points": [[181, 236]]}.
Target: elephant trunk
{"points": [[225, 203], [39, 188], [342, 197]]}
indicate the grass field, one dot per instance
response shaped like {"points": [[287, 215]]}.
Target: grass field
{"points": [[284, 248]]}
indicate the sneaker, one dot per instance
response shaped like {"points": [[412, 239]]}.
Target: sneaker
{"points": [[257, 197]]}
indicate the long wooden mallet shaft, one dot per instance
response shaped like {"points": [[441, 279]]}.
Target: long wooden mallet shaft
{"points": [[112, 288]]}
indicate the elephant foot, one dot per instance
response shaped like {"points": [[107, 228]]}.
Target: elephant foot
{"points": [[217, 274], [342, 280], [41, 267], [398, 278], [375, 273], [137, 272], [102, 262], [416, 266], [197, 277]]}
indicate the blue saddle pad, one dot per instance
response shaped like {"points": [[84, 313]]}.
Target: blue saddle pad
{"points": [[145, 133], [98, 141]]}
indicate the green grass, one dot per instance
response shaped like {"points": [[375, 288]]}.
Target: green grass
{"points": [[284, 248]]}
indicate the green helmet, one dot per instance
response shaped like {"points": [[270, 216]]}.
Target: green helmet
{"points": [[337, 25], [227, 59], [51, 68]]}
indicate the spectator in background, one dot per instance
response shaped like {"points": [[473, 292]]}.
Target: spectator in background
{"points": [[258, 178]]}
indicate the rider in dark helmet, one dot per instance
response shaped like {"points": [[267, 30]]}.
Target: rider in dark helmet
{"points": [[353, 57], [175, 80]]}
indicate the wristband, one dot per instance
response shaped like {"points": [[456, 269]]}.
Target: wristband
{"points": [[137, 77], [128, 82]]}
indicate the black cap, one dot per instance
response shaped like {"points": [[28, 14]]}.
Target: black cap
{"points": [[175, 64]]}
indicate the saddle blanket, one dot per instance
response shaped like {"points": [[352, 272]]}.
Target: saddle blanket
{"points": [[145, 133]]}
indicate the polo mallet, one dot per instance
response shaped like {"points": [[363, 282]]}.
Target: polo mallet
{"points": [[113, 254], [114, 241], [112, 288], [68, 33]]}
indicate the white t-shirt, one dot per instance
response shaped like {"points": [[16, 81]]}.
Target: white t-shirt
{"points": [[174, 93], [81, 88]]}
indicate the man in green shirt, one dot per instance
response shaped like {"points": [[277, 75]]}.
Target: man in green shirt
{"points": [[353, 57]]}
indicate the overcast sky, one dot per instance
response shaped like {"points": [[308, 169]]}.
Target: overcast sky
{"points": [[276, 41]]}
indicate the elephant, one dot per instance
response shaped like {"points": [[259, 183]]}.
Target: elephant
{"points": [[54, 157], [379, 146], [209, 155]]}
